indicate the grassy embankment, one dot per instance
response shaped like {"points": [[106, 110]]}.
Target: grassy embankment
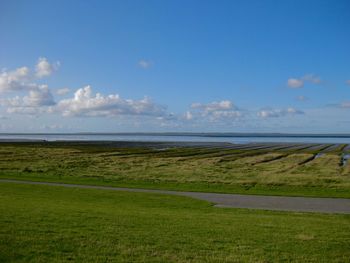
{"points": [[265, 171], [56, 224]]}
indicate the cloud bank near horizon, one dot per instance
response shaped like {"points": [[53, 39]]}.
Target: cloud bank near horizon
{"points": [[23, 93]]}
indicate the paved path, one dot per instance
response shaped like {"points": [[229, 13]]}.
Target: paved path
{"points": [[284, 203]]}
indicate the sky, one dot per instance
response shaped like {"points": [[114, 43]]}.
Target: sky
{"points": [[175, 65]]}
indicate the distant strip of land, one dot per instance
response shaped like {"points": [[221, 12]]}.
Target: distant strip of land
{"points": [[203, 134]]}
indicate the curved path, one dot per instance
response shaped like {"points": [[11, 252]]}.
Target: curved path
{"points": [[283, 203]]}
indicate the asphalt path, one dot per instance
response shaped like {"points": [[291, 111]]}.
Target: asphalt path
{"points": [[281, 203]]}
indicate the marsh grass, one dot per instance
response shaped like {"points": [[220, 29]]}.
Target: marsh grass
{"points": [[261, 171]]}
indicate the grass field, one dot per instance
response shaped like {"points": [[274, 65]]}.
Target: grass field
{"points": [[285, 171], [56, 224]]}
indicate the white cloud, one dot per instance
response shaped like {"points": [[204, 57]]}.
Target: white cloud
{"points": [[214, 111], [275, 113], [145, 63], [291, 110], [296, 83], [44, 68], [86, 104], [214, 106], [62, 91], [168, 117], [39, 97], [312, 78], [188, 115], [35, 98], [15, 80], [36, 102], [23, 79]]}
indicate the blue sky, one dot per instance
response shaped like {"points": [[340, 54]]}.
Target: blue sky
{"points": [[230, 66]]}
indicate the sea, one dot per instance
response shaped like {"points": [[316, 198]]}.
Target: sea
{"points": [[239, 138]]}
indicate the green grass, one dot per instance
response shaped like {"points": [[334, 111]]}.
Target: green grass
{"points": [[292, 173], [57, 224]]}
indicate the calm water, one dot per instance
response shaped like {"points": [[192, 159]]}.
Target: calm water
{"points": [[118, 137]]}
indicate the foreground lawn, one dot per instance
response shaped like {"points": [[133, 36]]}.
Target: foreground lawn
{"points": [[270, 172], [56, 224]]}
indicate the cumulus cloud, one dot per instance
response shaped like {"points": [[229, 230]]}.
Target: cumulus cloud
{"points": [[86, 104], [275, 113], [312, 78], [62, 91], [214, 106], [188, 115], [214, 111], [43, 68], [145, 63], [296, 83], [23, 79], [15, 80], [35, 102], [36, 98], [39, 97]]}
